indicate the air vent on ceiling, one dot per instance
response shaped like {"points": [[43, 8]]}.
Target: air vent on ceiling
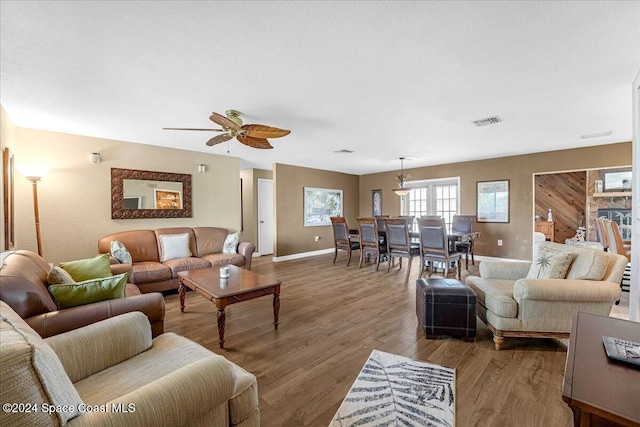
{"points": [[343, 151], [487, 121], [596, 135]]}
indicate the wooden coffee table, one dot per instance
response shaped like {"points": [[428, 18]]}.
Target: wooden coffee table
{"points": [[242, 285], [601, 391]]}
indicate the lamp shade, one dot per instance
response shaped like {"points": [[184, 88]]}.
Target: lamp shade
{"points": [[401, 191], [33, 171]]}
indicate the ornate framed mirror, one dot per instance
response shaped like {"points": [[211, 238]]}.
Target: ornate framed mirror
{"points": [[150, 194]]}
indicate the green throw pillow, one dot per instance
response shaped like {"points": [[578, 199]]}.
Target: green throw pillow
{"points": [[89, 291], [550, 265], [87, 269]]}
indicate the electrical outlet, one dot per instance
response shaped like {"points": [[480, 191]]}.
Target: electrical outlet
{"points": [[317, 238], [499, 242]]}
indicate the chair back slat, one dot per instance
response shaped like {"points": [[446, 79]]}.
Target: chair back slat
{"points": [[433, 235]]}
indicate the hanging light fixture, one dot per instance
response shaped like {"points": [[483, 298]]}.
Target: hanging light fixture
{"points": [[401, 179]]}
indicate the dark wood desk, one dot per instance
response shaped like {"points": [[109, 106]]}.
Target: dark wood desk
{"points": [[601, 391]]}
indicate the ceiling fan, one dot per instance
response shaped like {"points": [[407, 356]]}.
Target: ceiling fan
{"points": [[252, 135]]}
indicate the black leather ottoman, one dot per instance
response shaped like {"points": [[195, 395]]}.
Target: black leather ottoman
{"points": [[446, 307]]}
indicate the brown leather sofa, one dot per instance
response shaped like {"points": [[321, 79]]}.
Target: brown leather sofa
{"points": [[23, 285], [149, 274]]}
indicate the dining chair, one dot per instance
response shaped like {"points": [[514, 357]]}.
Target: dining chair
{"points": [[465, 224], [399, 243], [601, 232], [434, 246], [371, 243], [409, 219], [342, 239], [616, 243], [380, 221]]}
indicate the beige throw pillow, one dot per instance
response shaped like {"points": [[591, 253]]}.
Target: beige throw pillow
{"points": [[550, 265]]}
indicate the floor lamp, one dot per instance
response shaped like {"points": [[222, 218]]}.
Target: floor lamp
{"points": [[35, 174]]}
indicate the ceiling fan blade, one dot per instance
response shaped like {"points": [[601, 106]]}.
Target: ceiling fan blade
{"points": [[254, 142], [262, 131], [213, 130], [218, 139], [223, 121]]}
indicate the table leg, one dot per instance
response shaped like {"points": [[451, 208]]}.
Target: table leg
{"points": [[276, 306], [221, 321], [181, 292]]}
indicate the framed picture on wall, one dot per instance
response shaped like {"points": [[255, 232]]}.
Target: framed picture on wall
{"points": [[376, 202], [320, 204], [493, 201]]}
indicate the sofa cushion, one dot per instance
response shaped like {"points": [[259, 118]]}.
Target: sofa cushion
{"points": [[32, 373], [90, 268], [174, 246], [181, 264], [550, 264], [209, 240], [89, 291], [231, 244], [145, 272], [120, 252], [495, 294], [588, 263], [168, 353], [224, 259], [58, 276]]}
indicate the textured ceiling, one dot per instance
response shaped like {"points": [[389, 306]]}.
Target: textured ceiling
{"points": [[383, 79]]}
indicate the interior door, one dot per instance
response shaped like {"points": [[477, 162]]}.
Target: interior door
{"points": [[265, 216]]}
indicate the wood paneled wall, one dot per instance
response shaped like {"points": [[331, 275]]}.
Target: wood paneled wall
{"points": [[566, 195]]}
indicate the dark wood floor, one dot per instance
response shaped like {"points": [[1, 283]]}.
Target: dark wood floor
{"points": [[333, 316]]}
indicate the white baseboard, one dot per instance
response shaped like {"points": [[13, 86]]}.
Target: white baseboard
{"points": [[489, 258], [302, 255]]}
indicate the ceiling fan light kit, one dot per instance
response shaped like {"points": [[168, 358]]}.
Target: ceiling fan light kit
{"points": [[253, 135]]}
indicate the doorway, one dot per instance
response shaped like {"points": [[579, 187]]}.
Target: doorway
{"points": [[265, 216]]}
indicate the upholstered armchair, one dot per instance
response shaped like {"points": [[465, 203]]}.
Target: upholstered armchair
{"points": [[513, 302], [112, 373]]}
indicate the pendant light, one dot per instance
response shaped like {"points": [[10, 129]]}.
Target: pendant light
{"points": [[401, 179]]}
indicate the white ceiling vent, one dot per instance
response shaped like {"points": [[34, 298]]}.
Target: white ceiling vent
{"points": [[596, 135], [343, 151], [487, 121]]}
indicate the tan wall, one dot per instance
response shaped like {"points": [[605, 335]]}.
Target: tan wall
{"points": [[292, 236], [516, 235], [74, 197], [7, 140], [250, 202]]}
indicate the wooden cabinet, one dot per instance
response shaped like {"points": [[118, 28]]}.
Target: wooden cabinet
{"points": [[547, 228]]}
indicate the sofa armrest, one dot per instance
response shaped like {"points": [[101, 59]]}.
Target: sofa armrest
{"points": [[122, 268], [57, 322], [180, 398], [103, 344], [565, 290], [246, 249], [504, 270]]}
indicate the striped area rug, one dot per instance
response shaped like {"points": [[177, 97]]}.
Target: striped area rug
{"points": [[626, 279], [392, 390]]}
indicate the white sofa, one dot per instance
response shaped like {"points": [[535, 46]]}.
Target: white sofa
{"points": [[515, 306]]}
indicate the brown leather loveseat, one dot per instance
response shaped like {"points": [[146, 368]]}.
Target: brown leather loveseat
{"points": [[23, 285], [151, 274]]}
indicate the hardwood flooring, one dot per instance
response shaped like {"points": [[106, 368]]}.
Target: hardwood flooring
{"points": [[333, 316]]}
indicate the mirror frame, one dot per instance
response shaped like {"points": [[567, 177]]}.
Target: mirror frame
{"points": [[117, 193]]}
